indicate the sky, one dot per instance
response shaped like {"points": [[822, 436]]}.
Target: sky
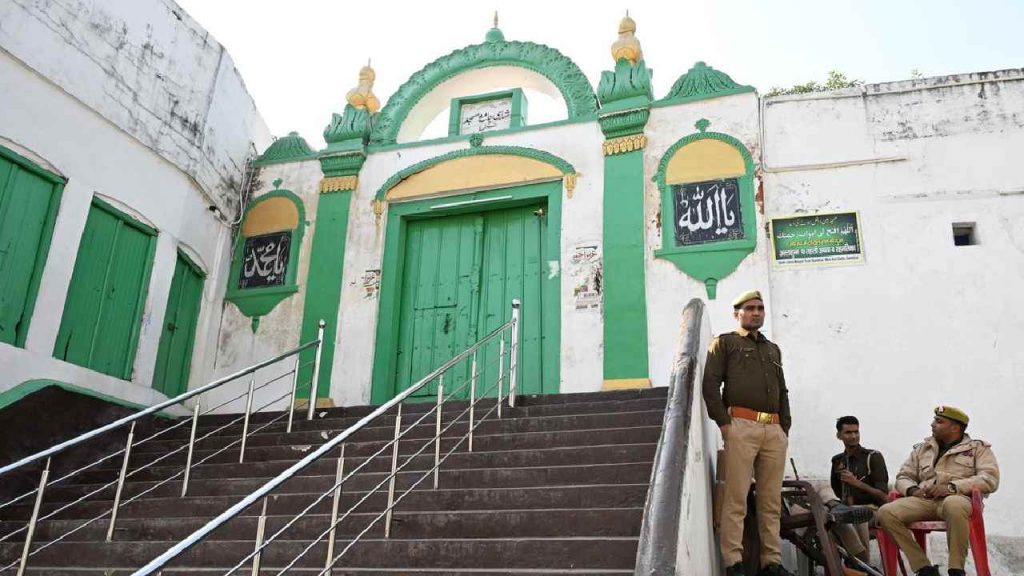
{"points": [[298, 58]]}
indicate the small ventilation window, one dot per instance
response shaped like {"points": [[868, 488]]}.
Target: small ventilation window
{"points": [[963, 234]]}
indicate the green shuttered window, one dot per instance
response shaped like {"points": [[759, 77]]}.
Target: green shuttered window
{"points": [[29, 197], [103, 311]]}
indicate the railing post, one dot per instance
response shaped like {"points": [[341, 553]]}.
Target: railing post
{"points": [[316, 369], [338, 475], [261, 528], [248, 411], [501, 369], [191, 447], [437, 430], [472, 400], [120, 482], [295, 391], [394, 471], [35, 518], [514, 361]]}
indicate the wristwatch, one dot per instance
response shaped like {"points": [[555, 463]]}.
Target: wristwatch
{"points": [[952, 487]]}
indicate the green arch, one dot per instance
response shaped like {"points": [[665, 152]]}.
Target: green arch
{"points": [[547, 157], [559, 69]]}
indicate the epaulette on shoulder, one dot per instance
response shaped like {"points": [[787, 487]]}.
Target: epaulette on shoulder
{"points": [[918, 445], [976, 442], [724, 334]]}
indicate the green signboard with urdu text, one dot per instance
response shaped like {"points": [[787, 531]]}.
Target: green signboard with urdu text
{"points": [[816, 239]]}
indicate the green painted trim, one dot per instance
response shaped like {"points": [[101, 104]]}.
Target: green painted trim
{"points": [[290, 148], [342, 164], [324, 283], [518, 111], [560, 164], [9, 397], [258, 302], [623, 276], [31, 166], [348, 131], [708, 263], [560, 70], [628, 86], [42, 254], [702, 82], [466, 137], [383, 381], [124, 216]]}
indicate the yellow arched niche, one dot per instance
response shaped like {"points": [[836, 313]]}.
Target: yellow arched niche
{"points": [[271, 215], [473, 173], [702, 160]]}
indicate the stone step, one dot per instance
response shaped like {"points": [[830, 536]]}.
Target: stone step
{"points": [[541, 553], [603, 454], [425, 429], [443, 499], [573, 475], [464, 524]]}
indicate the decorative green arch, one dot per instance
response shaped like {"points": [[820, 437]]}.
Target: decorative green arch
{"points": [[546, 157], [559, 69], [708, 263]]}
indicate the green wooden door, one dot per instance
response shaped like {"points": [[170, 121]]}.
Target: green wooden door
{"points": [[103, 311], [28, 207], [459, 277], [174, 358]]}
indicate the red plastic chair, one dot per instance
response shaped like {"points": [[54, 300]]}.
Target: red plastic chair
{"points": [[890, 552]]}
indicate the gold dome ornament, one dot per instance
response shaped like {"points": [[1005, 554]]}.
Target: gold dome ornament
{"points": [[627, 46], [362, 95]]}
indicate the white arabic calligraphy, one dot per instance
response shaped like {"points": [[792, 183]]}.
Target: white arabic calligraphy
{"points": [[708, 209]]}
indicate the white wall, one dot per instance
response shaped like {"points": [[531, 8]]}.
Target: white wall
{"points": [[98, 95], [150, 69], [921, 322]]}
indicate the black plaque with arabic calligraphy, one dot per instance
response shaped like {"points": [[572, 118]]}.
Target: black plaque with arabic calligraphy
{"points": [[707, 212], [265, 260]]}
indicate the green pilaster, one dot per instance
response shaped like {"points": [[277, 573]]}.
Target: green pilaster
{"points": [[340, 163], [625, 95]]}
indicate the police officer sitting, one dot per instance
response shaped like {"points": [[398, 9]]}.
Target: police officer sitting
{"points": [[938, 478]]}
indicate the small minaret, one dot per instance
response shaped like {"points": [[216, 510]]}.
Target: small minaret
{"points": [[627, 46], [362, 97]]}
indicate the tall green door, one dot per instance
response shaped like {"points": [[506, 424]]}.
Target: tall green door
{"points": [[459, 277], [28, 206], [103, 311], [174, 358]]}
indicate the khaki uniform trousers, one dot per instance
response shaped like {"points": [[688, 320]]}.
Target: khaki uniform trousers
{"points": [[955, 510], [752, 448]]}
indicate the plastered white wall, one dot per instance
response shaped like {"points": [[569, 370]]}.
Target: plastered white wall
{"points": [[150, 69], [921, 322], [95, 111]]}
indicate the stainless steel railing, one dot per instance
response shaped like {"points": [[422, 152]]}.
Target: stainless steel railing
{"points": [[507, 355], [125, 453]]}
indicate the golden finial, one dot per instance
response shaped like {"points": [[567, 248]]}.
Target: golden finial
{"points": [[627, 46], [362, 95], [495, 18]]}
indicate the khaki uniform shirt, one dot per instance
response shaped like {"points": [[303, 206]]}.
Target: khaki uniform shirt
{"points": [[969, 464], [751, 370]]}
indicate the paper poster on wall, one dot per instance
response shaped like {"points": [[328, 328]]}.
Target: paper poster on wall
{"points": [[832, 238], [265, 260], [707, 212], [586, 271], [371, 283]]}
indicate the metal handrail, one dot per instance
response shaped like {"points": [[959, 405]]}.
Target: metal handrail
{"points": [[161, 561], [133, 419]]}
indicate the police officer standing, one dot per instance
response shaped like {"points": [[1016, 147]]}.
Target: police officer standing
{"points": [[938, 477], [753, 414]]}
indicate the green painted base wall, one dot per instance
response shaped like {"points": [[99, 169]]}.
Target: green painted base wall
{"points": [[323, 287], [625, 303]]}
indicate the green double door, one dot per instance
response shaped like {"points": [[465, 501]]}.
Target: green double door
{"points": [[459, 277], [177, 338]]}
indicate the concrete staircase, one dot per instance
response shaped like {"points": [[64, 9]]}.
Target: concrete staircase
{"points": [[555, 487]]}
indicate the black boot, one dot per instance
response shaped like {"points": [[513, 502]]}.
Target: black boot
{"points": [[928, 571], [774, 570], [843, 514], [957, 572], [735, 570]]}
